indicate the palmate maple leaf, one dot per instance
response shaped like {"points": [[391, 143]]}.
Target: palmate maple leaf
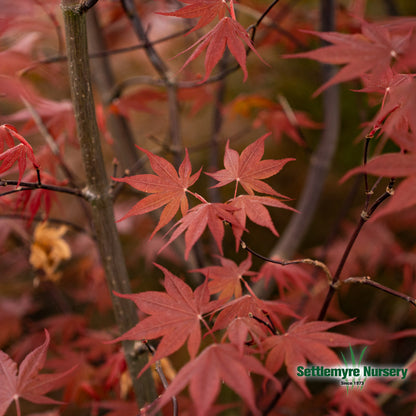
{"points": [[175, 316], [372, 51], [248, 169], [306, 341], [216, 364], [198, 218], [226, 33], [167, 187], [15, 153], [253, 207], [205, 10], [27, 383]]}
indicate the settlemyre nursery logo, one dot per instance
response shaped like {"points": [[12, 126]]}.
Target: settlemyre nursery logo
{"points": [[352, 374]]}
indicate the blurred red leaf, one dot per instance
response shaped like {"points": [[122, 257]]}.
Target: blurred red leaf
{"points": [[372, 51], [226, 279]]}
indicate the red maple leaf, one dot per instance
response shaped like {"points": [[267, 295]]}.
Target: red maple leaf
{"points": [[304, 342], [216, 364], [227, 278], [397, 114], [167, 188], [205, 10], [372, 51], [198, 218], [27, 383], [227, 33], [253, 207], [248, 169], [15, 153], [175, 316]]}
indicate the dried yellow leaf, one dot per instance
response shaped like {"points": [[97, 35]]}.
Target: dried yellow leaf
{"points": [[49, 249]]}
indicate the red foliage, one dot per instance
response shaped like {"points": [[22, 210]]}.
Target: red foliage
{"points": [[167, 188], [175, 316], [249, 342], [306, 341], [204, 374], [27, 383]]}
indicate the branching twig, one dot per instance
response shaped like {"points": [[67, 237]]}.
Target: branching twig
{"points": [[104, 53], [315, 263]]}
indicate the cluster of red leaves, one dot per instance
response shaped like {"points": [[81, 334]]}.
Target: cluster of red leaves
{"points": [[383, 56], [15, 153], [176, 316], [228, 32], [244, 329], [170, 188]]}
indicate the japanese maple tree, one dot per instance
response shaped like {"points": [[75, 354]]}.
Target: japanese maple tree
{"points": [[158, 251]]}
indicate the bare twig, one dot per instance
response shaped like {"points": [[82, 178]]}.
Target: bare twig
{"points": [[315, 263], [30, 186], [366, 280]]}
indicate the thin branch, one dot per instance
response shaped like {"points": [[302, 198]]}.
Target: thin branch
{"points": [[109, 52], [315, 263], [55, 22], [30, 186], [168, 78], [189, 84], [366, 280], [365, 216], [260, 19], [49, 139]]}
